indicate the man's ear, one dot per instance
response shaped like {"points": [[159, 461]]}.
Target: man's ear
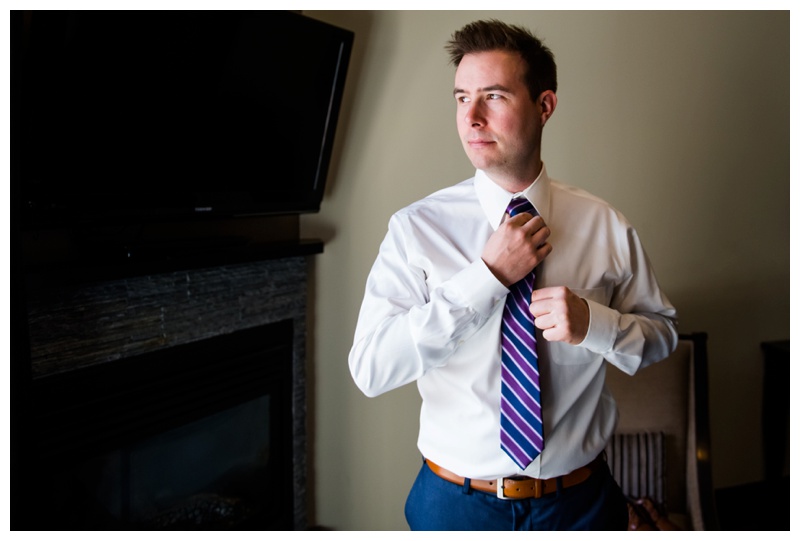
{"points": [[547, 101]]}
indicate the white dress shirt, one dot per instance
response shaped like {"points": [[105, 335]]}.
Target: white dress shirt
{"points": [[432, 311]]}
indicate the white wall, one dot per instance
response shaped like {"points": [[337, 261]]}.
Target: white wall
{"points": [[679, 119]]}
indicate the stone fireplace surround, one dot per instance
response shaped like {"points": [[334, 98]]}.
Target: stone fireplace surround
{"points": [[83, 321]]}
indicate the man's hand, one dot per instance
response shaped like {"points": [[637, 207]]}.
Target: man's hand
{"points": [[561, 314], [518, 245]]}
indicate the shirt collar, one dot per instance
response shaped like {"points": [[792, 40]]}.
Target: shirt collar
{"points": [[494, 199]]}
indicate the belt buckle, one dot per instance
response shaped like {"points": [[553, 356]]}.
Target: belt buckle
{"points": [[538, 490], [500, 489]]}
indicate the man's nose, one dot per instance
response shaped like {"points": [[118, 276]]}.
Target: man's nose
{"points": [[474, 114]]}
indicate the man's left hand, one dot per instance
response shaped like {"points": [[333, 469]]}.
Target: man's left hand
{"points": [[560, 314]]}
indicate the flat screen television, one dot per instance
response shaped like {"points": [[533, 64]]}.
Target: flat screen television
{"points": [[124, 116]]}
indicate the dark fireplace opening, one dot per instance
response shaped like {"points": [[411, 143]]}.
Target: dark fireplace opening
{"points": [[197, 436]]}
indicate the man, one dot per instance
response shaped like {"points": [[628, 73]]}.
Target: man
{"points": [[434, 303]]}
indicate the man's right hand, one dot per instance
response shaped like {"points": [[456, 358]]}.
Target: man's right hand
{"points": [[517, 247]]}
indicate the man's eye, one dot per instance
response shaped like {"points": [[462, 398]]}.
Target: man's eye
{"points": [[462, 99], [493, 96]]}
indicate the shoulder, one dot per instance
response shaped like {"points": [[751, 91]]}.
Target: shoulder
{"points": [[424, 223], [442, 205], [578, 202]]}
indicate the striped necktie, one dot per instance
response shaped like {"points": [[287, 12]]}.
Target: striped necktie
{"points": [[521, 435]]}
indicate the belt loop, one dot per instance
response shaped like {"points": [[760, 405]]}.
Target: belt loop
{"points": [[559, 485], [466, 488]]}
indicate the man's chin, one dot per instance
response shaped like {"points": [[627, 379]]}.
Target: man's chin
{"points": [[480, 162]]}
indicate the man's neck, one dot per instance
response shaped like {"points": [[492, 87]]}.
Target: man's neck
{"points": [[516, 183]]}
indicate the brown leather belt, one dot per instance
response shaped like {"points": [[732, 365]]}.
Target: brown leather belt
{"points": [[517, 488]]}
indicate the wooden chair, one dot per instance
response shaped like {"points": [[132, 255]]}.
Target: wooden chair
{"points": [[661, 445]]}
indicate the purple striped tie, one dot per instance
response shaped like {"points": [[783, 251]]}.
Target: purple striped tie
{"points": [[521, 435]]}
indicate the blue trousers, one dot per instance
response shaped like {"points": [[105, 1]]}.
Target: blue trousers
{"points": [[595, 504]]}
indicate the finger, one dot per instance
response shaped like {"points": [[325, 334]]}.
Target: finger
{"points": [[520, 219], [554, 334], [545, 250], [552, 320], [543, 294], [543, 322], [539, 236], [533, 224], [552, 292], [540, 308]]}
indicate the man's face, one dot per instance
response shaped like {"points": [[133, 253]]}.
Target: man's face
{"points": [[499, 124]]}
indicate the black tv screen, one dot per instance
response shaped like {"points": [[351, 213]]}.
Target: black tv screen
{"points": [[141, 115]]}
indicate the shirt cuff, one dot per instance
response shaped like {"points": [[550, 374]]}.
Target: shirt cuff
{"points": [[477, 288], [603, 328]]}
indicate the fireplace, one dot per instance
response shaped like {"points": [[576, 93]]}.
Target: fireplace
{"points": [[170, 400], [195, 436]]}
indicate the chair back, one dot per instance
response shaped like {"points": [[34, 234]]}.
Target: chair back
{"points": [[667, 398]]}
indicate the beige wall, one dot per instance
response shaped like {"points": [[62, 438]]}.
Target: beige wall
{"points": [[679, 119]]}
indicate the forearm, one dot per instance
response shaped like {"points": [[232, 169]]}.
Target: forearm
{"points": [[636, 325], [401, 334], [631, 341]]}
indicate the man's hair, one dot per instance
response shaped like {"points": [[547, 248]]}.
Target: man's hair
{"points": [[494, 35]]}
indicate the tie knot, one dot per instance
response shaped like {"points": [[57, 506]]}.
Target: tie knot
{"points": [[520, 204]]}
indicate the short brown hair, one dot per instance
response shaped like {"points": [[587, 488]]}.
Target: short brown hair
{"points": [[493, 35]]}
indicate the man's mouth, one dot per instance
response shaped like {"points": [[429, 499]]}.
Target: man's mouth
{"points": [[479, 143]]}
